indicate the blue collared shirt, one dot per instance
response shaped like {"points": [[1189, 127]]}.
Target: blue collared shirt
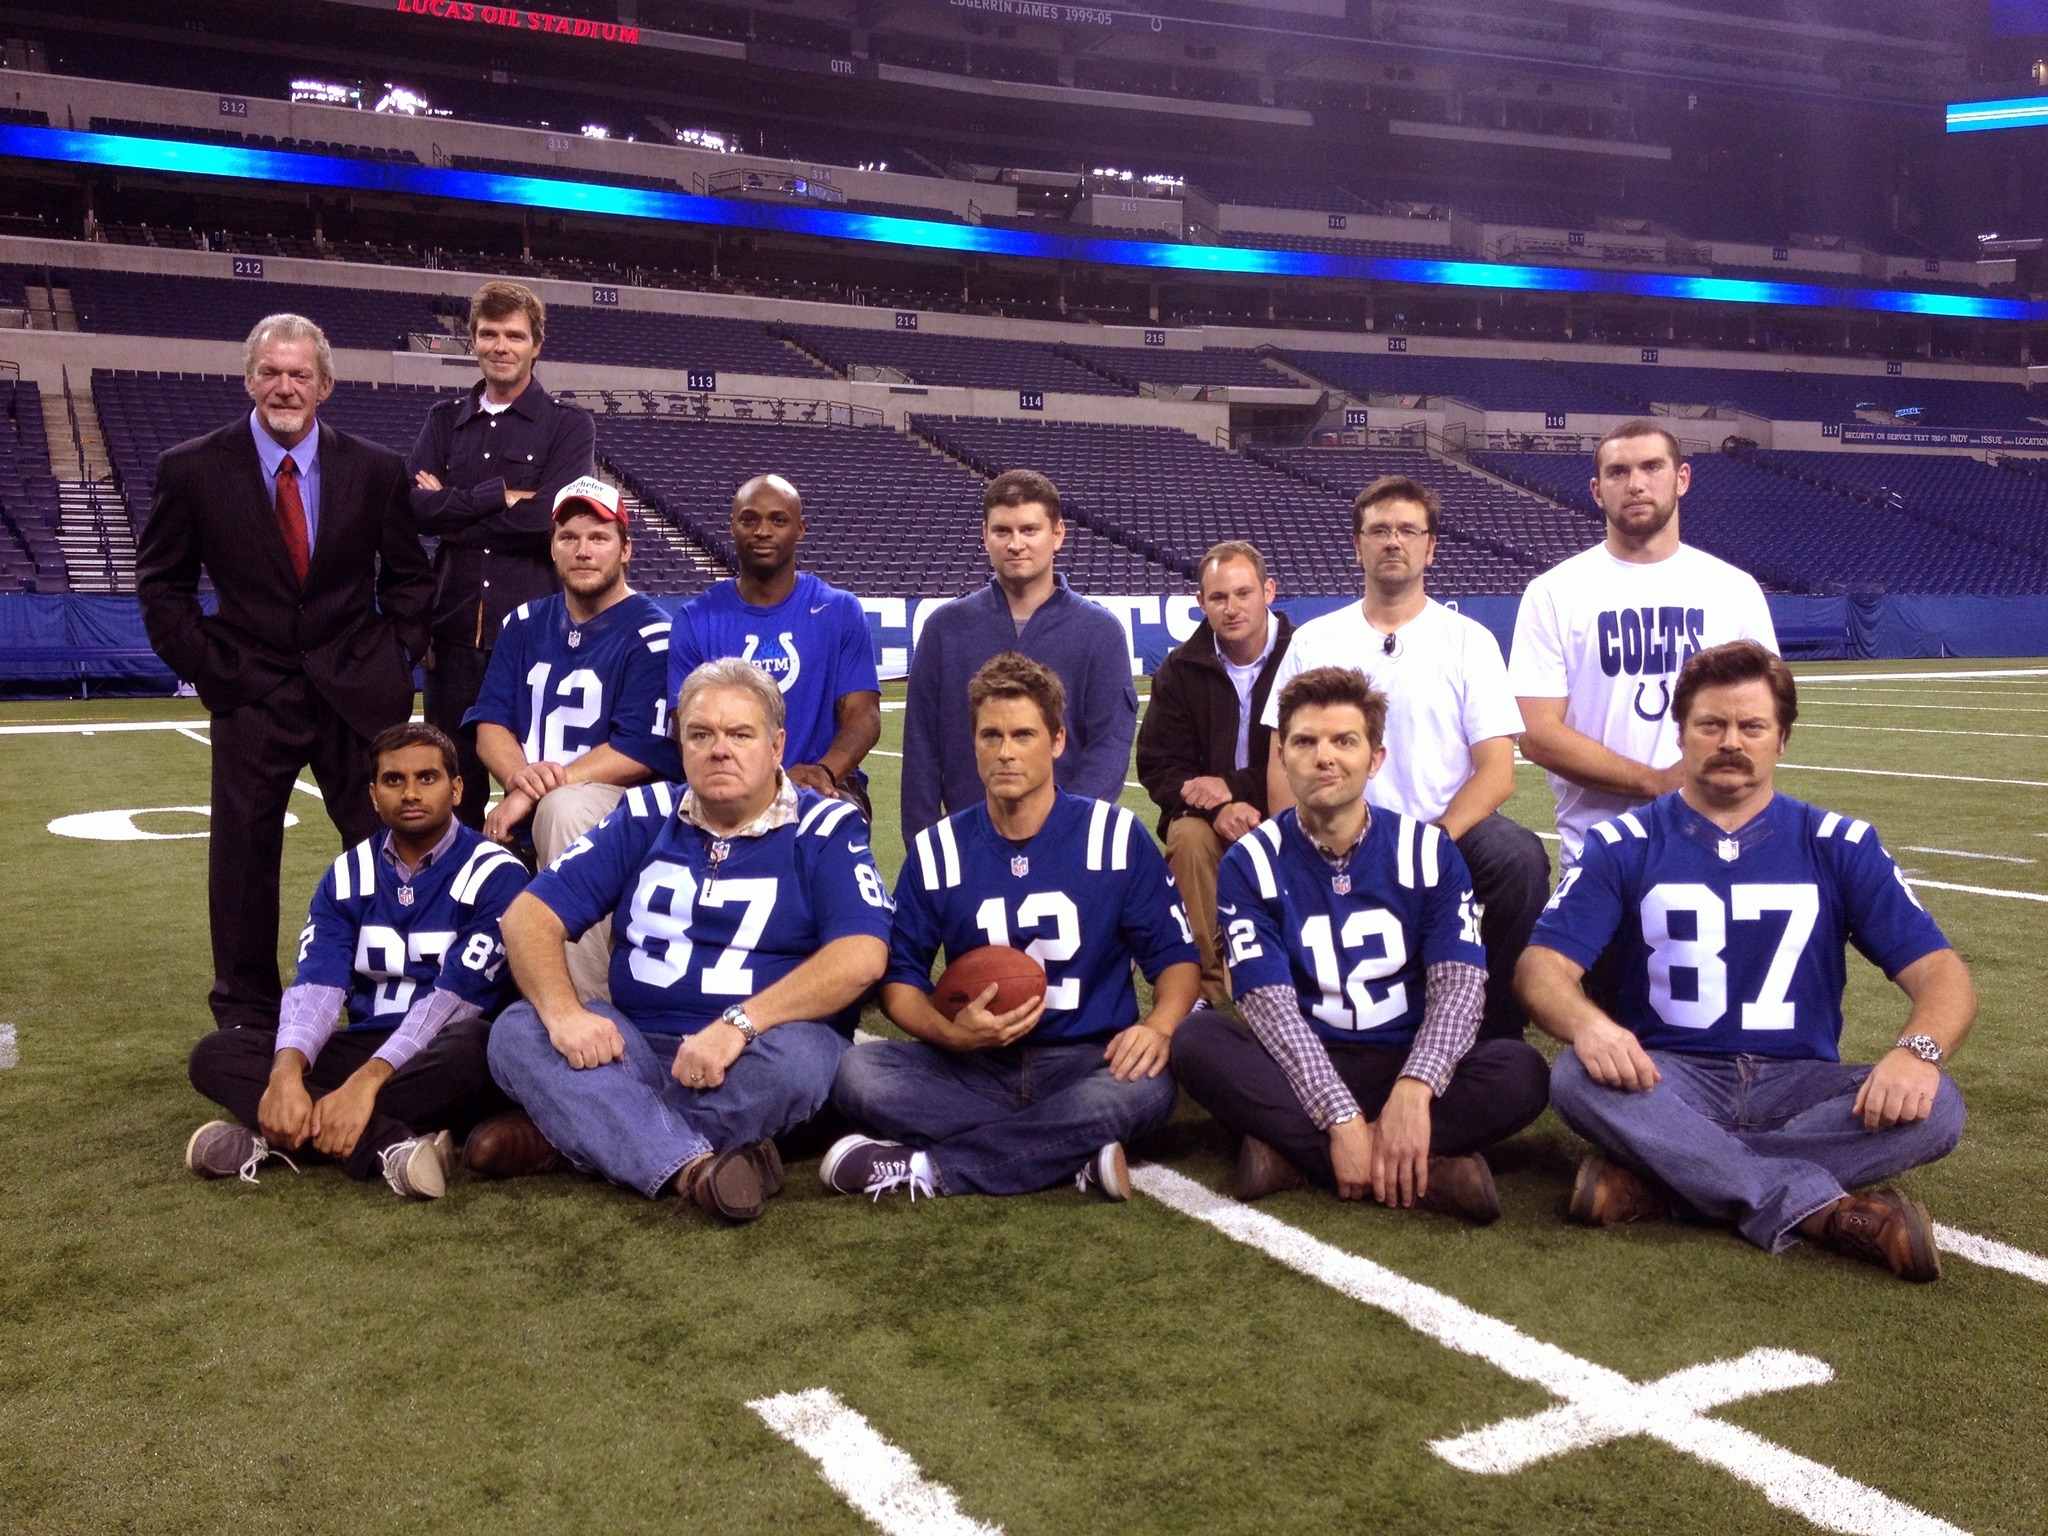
{"points": [[306, 457]]}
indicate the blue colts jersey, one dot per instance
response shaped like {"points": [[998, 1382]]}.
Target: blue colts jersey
{"points": [[1085, 896], [701, 922], [814, 643], [563, 688], [1732, 943], [390, 942], [1355, 943]]}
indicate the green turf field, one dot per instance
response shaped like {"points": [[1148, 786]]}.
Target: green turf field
{"points": [[554, 1355]]}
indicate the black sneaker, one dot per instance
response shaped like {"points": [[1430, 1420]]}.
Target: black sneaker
{"points": [[862, 1165]]}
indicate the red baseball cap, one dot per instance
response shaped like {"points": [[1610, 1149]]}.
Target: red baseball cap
{"points": [[592, 497]]}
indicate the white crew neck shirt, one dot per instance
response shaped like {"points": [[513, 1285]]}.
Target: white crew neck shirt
{"points": [[1244, 679], [1446, 688], [1608, 636]]}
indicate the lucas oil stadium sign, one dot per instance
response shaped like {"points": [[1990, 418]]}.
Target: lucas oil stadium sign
{"points": [[1936, 437]]}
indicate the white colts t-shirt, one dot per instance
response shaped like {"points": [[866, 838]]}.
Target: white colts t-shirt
{"points": [[1446, 688], [1608, 636]]}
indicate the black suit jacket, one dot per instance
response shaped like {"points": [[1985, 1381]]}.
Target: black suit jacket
{"points": [[353, 629]]}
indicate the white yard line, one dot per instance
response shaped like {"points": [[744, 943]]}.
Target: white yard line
{"points": [[1923, 730], [1600, 1404], [1900, 773], [1914, 677], [52, 729], [1958, 853], [207, 742], [1967, 709], [1991, 1254], [876, 1478], [1975, 890]]}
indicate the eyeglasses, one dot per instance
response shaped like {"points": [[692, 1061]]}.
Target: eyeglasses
{"points": [[1407, 533]]}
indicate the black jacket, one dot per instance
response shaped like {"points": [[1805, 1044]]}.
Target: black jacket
{"points": [[1190, 727], [494, 557], [356, 626]]}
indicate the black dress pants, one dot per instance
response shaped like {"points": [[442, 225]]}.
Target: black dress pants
{"points": [[1511, 877], [453, 682], [447, 1086], [258, 751], [1499, 1088]]}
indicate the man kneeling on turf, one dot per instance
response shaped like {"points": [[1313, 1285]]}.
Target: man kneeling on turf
{"points": [[749, 920], [400, 968], [1006, 1103], [1718, 1086], [1355, 957]]}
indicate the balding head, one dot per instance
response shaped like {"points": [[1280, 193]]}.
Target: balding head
{"points": [[768, 485]]}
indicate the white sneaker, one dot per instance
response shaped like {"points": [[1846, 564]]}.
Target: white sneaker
{"points": [[1108, 1171], [418, 1168]]}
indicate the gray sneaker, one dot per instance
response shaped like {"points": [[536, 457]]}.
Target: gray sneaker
{"points": [[1108, 1171], [418, 1168], [222, 1149]]}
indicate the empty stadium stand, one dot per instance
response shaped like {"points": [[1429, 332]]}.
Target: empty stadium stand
{"points": [[972, 362], [1959, 494], [31, 560], [1494, 384], [1131, 366], [221, 308], [648, 339]]}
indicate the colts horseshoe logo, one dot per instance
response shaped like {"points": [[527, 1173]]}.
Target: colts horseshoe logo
{"points": [[1663, 700]]}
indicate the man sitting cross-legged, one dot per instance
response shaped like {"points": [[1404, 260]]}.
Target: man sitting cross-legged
{"points": [[750, 919], [1354, 950], [400, 968], [1718, 1084], [1006, 1103]]}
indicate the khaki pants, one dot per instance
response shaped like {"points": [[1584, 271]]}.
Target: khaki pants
{"points": [[562, 816], [1193, 850]]}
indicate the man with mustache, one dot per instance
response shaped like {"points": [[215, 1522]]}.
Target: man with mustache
{"points": [[1715, 1084], [1600, 637]]}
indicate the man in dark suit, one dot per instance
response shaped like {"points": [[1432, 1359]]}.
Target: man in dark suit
{"points": [[323, 594]]}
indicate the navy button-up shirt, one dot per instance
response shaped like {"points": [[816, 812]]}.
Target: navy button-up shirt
{"points": [[494, 557]]}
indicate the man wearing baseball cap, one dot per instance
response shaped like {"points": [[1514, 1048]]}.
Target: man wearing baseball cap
{"points": [[572, 711]]}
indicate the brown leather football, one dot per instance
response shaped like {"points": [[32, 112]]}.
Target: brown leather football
{"points": [[1017, 977]]}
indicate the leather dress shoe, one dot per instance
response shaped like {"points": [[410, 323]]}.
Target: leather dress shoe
{"points": [[726, 1184], [1462, 1187], [1261, 1171], [1605, 1194], [510, 1146], [1884, 1228]]}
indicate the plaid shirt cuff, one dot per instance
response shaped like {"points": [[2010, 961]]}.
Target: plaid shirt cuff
{"points": [[1274, 1017], [424, 1020], [306, 1019], [1450, 1023]]}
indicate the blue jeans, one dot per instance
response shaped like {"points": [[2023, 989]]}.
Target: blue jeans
{"points": [[1001, 1122], [634, 1123], [1754, 1141]]}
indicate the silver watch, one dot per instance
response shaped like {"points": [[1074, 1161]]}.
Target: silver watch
{"points": [[736, 1016], [1926, 1047]]}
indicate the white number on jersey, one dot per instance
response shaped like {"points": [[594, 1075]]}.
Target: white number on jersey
{"points": [[1065, 942], [1364, 1011], [546, 727], [872, 891], [661, 940], [382, 954], [1702, 954], [1244, 941]]}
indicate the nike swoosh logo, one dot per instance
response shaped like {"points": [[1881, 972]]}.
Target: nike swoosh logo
{"points": [[821, 607], [1222, 907], [856, 847]]}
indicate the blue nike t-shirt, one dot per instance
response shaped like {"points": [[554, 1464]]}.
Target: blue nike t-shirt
{"points": [[814, 643]]}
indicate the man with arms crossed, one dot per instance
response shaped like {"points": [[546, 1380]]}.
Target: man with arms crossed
{"points": [[1451, 722], [811, 638], [1717, 1082], [1202, 747], [1354, 952], [1026, 607], [1006, 1103], [1600, 637], [308, 535], [572, 709], [750, 919], [486, 470], [400, 969]]}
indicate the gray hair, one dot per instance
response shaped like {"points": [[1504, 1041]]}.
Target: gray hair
{"points": [[288, 327], [731, 672]]}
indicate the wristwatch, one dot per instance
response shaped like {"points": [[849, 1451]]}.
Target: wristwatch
{"points": [[736, 1016], [1926, 1047]]}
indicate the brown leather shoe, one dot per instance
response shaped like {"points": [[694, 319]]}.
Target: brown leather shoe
{"points": [[1261, 1171], [1884, 1228], [1462, 1187], [725, 1184], [1605, 1194], [510, 1146], [767, 1159]]}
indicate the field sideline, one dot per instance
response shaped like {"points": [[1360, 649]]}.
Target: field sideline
{"points": [[554, 1355]]}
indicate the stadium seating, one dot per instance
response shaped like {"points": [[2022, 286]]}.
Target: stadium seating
{"points": [[1800, 537], [1130, 366], [883, 513], [30, 558], [649, 339], [1953, 492], [1493, 384], [224, 309], [1172, 496], [972, 362]]}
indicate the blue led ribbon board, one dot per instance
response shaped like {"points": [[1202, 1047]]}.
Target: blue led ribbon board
{"points": [[2014, 112], [236, 163]]}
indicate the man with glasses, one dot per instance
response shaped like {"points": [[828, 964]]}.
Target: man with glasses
{"points": [[1451, 722]]}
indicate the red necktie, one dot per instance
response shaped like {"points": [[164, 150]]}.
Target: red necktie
{"points": [[291, 518]]}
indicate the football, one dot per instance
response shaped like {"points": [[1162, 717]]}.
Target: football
{"points": [[1017, 977]]}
